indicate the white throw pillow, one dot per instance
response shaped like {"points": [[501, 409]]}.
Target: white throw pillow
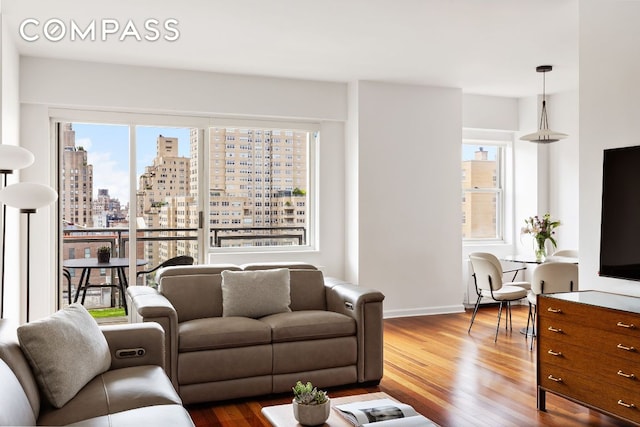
{"points": [[255, 293], [65, 350]]}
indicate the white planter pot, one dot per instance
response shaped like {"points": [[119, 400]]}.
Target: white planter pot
{"points": [[311, 415]]}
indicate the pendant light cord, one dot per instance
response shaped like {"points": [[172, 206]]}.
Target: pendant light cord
{"points": [[544, 123]]}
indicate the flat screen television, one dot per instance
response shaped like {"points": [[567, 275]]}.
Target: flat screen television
{"points": [[620, 217]]}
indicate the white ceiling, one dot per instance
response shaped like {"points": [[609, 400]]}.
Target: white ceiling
{"points": [[482, 46]]}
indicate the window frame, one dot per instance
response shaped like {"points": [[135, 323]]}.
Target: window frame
{"points": [[499, 191], [203, 123]]}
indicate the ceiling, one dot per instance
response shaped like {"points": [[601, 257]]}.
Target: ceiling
{"points": [[486, 47]]}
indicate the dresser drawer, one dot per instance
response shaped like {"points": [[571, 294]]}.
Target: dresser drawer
{"points": [[596, 317], [608, 369], [591, 391], [574, 333]]}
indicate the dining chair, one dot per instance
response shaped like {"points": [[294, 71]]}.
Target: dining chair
{"points": [[548, 278], [487, 276], [67, 275], [572, 253], [179, 260]]}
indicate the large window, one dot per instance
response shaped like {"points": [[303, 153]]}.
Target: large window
{"points": [[259, 186], [482, 191], [156, 188]]}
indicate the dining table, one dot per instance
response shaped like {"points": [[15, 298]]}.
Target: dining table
{"points": [[88, 264]]}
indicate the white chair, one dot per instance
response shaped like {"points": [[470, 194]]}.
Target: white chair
{"points": [[487, 275], [571, 253], [549, 278]]}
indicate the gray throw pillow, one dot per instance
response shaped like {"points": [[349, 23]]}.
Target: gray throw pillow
{"points": [[255, 293], [65, 350]]}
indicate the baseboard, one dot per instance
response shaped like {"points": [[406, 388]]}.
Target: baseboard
{"points": [[424, 311]]}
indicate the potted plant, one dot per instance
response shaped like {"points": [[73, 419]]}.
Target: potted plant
{"points": [[310, 406], [104, 254]]}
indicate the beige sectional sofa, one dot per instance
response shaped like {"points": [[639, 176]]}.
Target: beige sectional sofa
{"points": [[332, 334], [133, 391]]}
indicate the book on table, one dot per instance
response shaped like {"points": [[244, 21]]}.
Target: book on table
{"points": [[382, 413]]}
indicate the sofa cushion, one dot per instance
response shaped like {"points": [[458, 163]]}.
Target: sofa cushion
{"points": [[307, 290], [15, 409], [221, 332], [65, 350], [194, 290], [309, 325], [115, 391], [165, 415], [13, 356], [255, 293]]}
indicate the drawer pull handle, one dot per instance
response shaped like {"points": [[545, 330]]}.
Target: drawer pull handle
{"points": [[556, 330], [552, 378], [624, 347], [554, 310], [626, 405], [555, 353], [625, 325], [630, 376]]}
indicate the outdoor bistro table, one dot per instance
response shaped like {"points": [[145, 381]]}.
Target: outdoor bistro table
{"points": [[87, 264]]}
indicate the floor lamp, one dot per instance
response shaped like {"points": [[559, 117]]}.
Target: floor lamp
{"points": [[12, 158], [28, 197]]}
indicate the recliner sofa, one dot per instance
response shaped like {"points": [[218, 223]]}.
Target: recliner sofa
{"points": [[134, 391], [332, 336]]}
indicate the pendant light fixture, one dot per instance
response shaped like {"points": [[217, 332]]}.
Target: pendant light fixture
{"points": [[544, 135]]}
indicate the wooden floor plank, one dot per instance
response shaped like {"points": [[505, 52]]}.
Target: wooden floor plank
{"points": [[451, 376]]}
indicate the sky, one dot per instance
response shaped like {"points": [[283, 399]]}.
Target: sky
{"points": [[468, 151], [108, 151]]}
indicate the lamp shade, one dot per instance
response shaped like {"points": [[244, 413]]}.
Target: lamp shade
{"points": [[13, 158], [28, 195], [544, 136]]}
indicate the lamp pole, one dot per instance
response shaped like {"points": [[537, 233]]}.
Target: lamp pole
{"points": [[28, 212], [4, 243]]}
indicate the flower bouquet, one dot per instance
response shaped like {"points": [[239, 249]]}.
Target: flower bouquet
{"points": [[542, 229]]}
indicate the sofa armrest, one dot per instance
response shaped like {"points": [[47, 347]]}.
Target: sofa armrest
{"points": [[365, 306], [135, 344], [148, 305]]}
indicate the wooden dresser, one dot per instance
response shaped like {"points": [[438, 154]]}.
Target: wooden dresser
{"points": [[589, 351]]}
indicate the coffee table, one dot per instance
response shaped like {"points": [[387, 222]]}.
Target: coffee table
{"points": [[282, 415]]}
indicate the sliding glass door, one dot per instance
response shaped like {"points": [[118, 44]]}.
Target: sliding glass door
{"points": [[124, 186]]}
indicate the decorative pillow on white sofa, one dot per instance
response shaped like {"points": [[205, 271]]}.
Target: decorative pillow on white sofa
{"points": [[255, 293], [65, 350]]}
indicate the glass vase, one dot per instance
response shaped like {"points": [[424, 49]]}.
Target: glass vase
{"points": [[541, 250]]}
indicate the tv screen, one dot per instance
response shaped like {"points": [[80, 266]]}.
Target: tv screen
{"points": [[620, 220]]}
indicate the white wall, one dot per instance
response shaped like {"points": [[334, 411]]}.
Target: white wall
{"points": [[46, 83], [409, 196], [489, 113], [609, 116], [564, 194]]}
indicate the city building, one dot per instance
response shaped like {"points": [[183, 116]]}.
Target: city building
{"points": [[479, 201], [166, 179], [77, 181], [258, 180]]}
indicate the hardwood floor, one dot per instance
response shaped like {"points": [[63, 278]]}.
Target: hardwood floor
{"points": [[450, 376]]}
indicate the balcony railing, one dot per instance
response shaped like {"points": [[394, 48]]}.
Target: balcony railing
{"points": [[117, 238]]}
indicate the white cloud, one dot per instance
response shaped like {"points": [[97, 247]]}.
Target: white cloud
{"points": [[110, 174], [85, 143]]}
